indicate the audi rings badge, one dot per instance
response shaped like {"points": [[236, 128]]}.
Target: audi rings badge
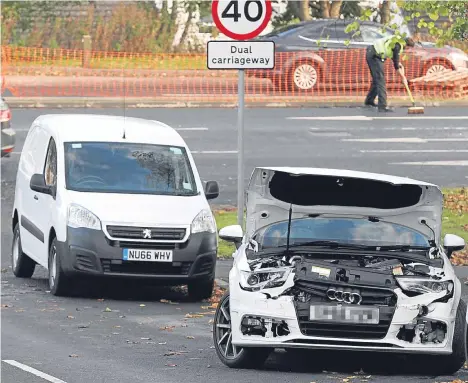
{"points": [[349, 297]]}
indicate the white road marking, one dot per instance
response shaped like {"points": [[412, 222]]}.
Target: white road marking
{"points": [[433, 163], [196, 129], [367, 118], [33, 371], [214, 152], [415, 151], [408, 140]]}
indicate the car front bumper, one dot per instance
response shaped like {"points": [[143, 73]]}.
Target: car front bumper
{"points": [[90, 252], [8, 138], [282, 309]]}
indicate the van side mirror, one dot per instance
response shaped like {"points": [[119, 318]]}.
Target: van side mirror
{"points": [[232, 233], [38, 184], [211, 190], [453, 243]]}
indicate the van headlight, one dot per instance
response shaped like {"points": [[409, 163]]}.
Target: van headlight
{"points": [[424, 285], [204, 223], [264, 279], [78, 216]]}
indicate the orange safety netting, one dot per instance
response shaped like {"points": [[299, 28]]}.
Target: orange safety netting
{"points": [[325, 74]]}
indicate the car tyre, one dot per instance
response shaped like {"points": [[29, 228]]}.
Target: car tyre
{"points": [[449, 364], [22, 265], [59, 283], [200, 290], [230, 355]]}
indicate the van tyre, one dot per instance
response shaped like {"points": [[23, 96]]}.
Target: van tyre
{"points": [[450, 364], [22, 265], [233, 356], [200, 290], [59, 283]]}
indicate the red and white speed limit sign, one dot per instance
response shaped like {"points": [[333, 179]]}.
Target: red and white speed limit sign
{"points": [[241, 19]]}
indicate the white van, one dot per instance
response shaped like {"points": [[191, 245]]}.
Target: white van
{"points": [[109, 196]]}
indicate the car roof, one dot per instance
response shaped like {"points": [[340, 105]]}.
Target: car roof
{"points": [[106, 128], [349, 174]]}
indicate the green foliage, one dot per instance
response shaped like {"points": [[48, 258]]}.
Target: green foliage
{"points": [[421, 11]]}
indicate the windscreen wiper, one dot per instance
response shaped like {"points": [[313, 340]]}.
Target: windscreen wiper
{"points": [[331, 244], [401, 248]]}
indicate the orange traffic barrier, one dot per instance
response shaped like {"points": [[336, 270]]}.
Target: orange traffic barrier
{"points": [[326, 74]]}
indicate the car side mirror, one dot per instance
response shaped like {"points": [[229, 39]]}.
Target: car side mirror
{"points": [[211, 190], [453, 243], [38, 184], [232, 233]]}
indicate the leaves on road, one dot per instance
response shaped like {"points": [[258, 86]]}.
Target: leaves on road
{"points": [[142, 305], [70, 317], [107, 310], [190, 337], [167, 328], [73, 356], [198, 315], [168, 302]]}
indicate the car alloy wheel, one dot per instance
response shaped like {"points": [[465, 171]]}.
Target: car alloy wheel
{"points": [[305, 76], [437, 68], [223, 332]]}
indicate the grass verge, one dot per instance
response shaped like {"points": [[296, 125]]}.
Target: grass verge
{"points": [[454, 221], [156, 62]]}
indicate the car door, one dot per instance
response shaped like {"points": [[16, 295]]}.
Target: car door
{"points": [[35, 208]]}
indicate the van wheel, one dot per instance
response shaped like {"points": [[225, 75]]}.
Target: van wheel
{"points": [[233, 356], [59, 283], [200, 290], [22, 265]]}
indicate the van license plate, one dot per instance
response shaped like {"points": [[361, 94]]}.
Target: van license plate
{"points": [[147, 255]]}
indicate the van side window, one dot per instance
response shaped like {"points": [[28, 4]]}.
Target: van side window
{"points": [[50, 169]]}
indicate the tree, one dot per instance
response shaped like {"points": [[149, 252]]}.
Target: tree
{"points": [[425, 13], [385, 12]]}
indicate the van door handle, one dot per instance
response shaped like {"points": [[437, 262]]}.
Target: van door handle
{"points": [[36, 197]]}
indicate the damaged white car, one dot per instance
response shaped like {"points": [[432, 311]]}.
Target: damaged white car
{"points": [[344, 260]]}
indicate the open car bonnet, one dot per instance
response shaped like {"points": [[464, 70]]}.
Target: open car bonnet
{"points": [[342, 193]]}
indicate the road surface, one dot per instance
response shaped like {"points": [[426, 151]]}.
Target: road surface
{"points": [[123, 333]]}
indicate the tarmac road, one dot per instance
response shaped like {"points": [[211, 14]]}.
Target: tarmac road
{"points": [[79, 340]]}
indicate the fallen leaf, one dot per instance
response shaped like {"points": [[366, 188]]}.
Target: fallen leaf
{"points": [[345, 380], [145, 338], [107, 310], [184, 325], [70, 317], [194, 315], [117, 326], [6, 306], [142, 305], [73, 356], [162, 343], [171, 365], [167, 328], [19, 311], [4, 270], [83, 326], [190, 337], [172, 353]]}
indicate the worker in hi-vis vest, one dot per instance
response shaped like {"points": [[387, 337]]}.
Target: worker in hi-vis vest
{"points": [[377, 53]]}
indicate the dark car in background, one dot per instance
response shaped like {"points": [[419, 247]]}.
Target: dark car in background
{"points": [[314, 53], [8, 134]]}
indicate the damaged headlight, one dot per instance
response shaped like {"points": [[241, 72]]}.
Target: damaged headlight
{"points": [[424, 285], [264, 279]]}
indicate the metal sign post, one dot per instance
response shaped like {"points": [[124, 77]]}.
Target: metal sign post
{"points": [[241, 20], [240, 147]]}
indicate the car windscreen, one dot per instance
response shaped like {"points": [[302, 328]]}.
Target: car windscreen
{"points": [[106, 167], [342, 230]]}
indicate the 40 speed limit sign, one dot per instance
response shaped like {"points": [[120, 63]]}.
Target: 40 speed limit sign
{"points": [[241, 19]]}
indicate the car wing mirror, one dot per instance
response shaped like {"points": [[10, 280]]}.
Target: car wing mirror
{"points": [[211, 190], [232, 234], [38, 184], [453, 243]]}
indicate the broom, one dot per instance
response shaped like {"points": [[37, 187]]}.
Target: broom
{"points": [[414, 109]]}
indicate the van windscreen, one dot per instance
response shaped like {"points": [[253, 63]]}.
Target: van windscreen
{"points": [[106, 167]]}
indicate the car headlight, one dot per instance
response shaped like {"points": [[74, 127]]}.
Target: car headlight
{"points": [[78, 216], [264, 279], [204, 222], [424, 285]]}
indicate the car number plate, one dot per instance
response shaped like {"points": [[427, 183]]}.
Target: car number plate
{"points": [[147, 255], [344, 314]]}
